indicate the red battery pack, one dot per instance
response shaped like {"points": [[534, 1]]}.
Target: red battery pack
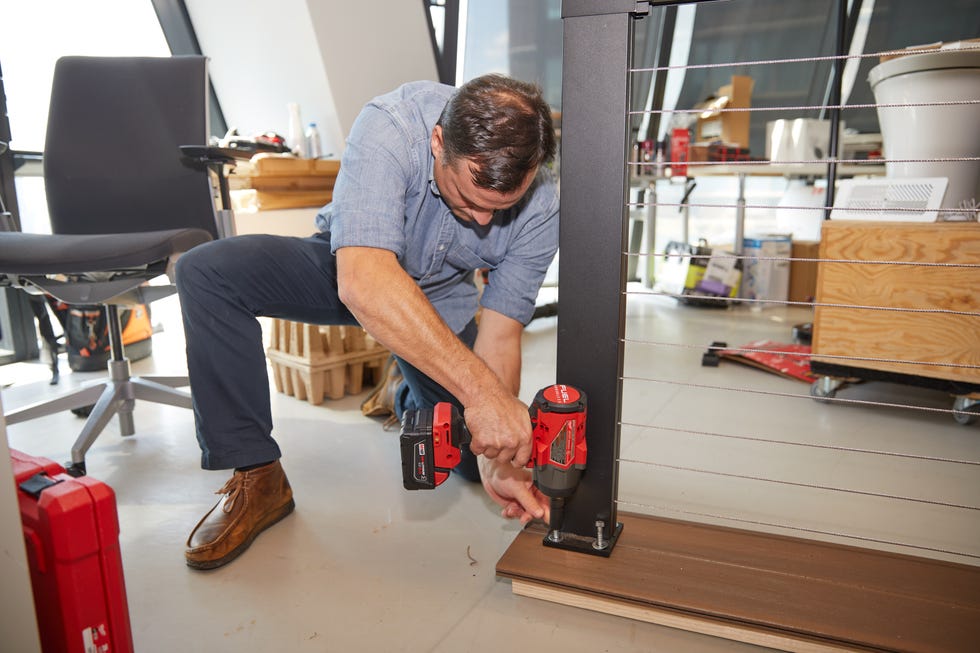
{"points": [[71, 531]]}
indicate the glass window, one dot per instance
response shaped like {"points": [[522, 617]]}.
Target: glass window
{"points": [[896, 24], [37, 33], [711, 33], [520, 38]]}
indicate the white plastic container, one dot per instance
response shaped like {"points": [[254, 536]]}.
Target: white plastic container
{"points": [[935, 130], [802, 139], [314, 150], [296, 138]]}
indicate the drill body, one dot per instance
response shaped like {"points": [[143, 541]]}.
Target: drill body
{"points": [[430, 441]]}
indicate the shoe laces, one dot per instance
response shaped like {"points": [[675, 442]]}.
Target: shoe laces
{"points": [[233, 488]]}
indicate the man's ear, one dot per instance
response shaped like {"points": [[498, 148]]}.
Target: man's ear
{"points": [[435, 143]]}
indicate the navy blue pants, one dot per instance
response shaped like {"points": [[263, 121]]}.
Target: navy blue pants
{"points": [[224, 285]]}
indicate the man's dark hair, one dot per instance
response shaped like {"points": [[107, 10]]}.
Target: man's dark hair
{"points": [[501, 124]]}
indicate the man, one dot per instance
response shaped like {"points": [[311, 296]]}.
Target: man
{"points": [[435, 183]]}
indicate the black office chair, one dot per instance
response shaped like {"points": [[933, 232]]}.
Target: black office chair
{"points": [[124, 202]]}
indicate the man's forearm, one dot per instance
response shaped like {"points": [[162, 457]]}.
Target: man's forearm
{"points": [[392, 308], [498, 343], [388, 303]]}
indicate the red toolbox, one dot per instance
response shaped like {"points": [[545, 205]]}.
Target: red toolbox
{"points": [[72, 535]]}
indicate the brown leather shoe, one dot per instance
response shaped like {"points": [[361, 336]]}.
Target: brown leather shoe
{"points": [[252, 502]]}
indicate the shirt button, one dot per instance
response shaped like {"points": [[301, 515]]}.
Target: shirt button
{"points": [[442, 247]]}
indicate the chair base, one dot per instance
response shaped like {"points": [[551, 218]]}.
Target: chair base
{"points": [[116, 395]]}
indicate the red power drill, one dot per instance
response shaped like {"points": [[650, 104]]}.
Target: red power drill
{"points": [[430, 441]]}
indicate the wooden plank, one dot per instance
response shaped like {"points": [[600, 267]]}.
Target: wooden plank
{"points": [[927, 339], [294, 183], [289, 166], [756, 582], [675, 619], [269, 200]]}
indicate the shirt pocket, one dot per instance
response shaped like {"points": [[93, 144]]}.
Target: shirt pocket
{"points": [[462, 257]]}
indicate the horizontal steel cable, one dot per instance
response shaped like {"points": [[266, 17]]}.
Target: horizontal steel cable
{"points": [[730, 255], [823, 161], [813, 486], [836, 400], [813, 107], [801, 529], [870, 163], [802, 208], [757, 62], [799, 354], [784, 302], [806, 445]]}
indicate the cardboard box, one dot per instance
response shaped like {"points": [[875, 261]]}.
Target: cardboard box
{"points": [[700, 275], [929, 47], [729, 127], [697, 153], [803, 274], [767, 277]]}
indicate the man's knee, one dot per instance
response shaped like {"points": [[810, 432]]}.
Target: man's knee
{"points": [[189, 266]]}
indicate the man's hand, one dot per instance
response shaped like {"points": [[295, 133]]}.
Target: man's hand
{"points": [[501, 429], [499, 422], [392, 308], [513, 489]]}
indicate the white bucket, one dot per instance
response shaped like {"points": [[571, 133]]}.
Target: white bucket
{"points": [[935, 131]]}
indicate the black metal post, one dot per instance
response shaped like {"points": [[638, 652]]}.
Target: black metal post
{"points": [[592, 265]]}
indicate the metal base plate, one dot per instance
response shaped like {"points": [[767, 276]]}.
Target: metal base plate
{"points": [[572, 542]]}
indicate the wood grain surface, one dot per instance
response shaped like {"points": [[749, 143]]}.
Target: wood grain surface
{"points": [[810, 595], [936, 332]]}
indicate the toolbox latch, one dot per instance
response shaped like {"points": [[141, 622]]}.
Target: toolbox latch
{"points": [[38, 483]]}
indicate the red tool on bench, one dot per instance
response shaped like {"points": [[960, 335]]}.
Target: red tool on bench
{"points": [[430, 441]]}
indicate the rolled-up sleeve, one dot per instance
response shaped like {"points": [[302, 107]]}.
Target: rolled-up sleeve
{"points": [[368, 206], [513, 285]]}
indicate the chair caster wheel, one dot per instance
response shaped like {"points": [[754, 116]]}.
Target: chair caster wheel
{"points": [[966, 410], [84, 411], [75, 469], [825, 388]]}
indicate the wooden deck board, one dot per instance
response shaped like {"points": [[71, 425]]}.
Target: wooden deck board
{"points": [[806, 594]]}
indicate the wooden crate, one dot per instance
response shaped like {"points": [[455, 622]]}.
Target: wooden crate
{"points": [[310, 362], [913, 340], [282, 182]]}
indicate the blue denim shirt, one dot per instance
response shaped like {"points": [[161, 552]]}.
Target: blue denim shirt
{"points": [[385, 197]]}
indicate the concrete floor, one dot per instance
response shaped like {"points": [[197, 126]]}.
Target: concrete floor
{"points": [[364, 565]]}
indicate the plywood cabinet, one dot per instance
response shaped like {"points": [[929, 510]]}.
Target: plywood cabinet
{"points": [[900, 299]]}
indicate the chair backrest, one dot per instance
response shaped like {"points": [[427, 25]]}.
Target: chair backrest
{"points": [[112, 162]]}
